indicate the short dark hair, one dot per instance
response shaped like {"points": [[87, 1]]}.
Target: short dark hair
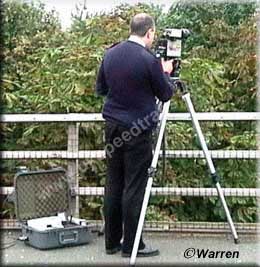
{"points": [[141, 23]]}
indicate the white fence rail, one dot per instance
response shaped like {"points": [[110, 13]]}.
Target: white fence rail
{"points": [[73, 154], [100, 154], [166, 191], [91, 117]]}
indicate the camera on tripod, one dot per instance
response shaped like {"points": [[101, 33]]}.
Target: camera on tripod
{"points": [[169, 46]]}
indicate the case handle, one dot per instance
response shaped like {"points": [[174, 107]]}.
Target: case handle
{"points": [[68, 238]]}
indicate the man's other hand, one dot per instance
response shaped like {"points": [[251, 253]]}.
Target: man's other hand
{"points": [[167, 65]]}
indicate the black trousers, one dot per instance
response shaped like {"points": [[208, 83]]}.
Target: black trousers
{"points": [[127, 165]]}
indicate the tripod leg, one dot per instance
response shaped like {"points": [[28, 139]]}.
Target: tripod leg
{"points": [[186, 98], [149, 183], [230, 222], [141, 221]]}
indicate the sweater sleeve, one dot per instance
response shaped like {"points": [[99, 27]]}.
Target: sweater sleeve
{"points": [[160, 81], [101, 84]]}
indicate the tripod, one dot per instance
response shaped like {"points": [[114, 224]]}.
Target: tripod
{"points": [[151, 170]]}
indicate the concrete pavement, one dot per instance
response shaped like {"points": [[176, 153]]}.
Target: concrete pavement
{"points": [[218, 250]]}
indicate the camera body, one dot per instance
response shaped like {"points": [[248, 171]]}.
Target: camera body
{"points": [[169, 46]]}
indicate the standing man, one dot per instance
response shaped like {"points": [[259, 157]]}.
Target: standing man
{"points": [[131, 78]]}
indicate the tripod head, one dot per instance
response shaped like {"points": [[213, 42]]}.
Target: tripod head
{"points": [[180, 85]]}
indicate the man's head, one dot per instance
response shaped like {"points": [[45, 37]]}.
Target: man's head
{"points": [[143, 26]]}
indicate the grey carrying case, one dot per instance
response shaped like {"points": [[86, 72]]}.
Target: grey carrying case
{"points": [[39, 197]]}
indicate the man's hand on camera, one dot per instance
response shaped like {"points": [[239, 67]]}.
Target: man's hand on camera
{"points": [[167, 65]]}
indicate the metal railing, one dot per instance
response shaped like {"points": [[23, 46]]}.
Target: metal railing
{"points": [[73, 154]]}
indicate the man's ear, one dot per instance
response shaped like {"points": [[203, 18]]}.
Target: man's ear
{"points": [[148, 34]]}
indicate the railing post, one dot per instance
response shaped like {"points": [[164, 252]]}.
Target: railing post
{"points": [[73, 148]]}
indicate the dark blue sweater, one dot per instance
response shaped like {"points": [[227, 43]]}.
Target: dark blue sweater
{"points": [[131, 77]]}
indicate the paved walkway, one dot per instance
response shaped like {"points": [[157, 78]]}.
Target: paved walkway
{"points": [[172, 248]]}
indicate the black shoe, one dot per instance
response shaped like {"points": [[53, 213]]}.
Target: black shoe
{"points": [[145, 252], [111, 251]]}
